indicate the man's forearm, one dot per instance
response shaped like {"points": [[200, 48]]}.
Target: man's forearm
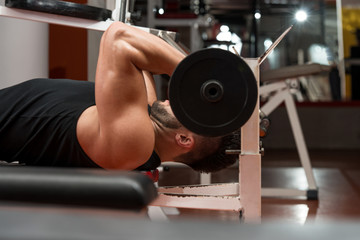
{"points": [[150, 53]]}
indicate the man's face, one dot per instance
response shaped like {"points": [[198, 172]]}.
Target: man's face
{"points": [[161, 112]]}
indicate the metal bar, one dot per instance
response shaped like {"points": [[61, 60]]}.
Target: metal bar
{"points": [[224, 203], [269, 50], [205, 178], [250, 130], [250, 186], [71, 21], [299, 140], [229, 189], [250, 160], [209, 190], [55, 19], [274, 102], [282, 192], [122, 10], [268, 88]]}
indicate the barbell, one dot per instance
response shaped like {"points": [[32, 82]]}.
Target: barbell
{"points": [[213, 92]]}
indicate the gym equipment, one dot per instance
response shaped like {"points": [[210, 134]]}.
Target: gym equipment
{"points": [[280, 91], [264, 124], [74, 18], [78, 187], [243, 196], [275, 84], [213, 92], [61, 8]]}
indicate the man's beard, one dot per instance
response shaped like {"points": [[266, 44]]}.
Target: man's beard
{"points": [[163, 117]]}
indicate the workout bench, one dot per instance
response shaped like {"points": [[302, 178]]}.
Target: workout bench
{"points": [[76, 187], [279, 89]]}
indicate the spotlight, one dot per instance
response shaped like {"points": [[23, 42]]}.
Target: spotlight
{"points": [[301, 16], [161, 11], [267, 43], [257, 15], [224, 28]]}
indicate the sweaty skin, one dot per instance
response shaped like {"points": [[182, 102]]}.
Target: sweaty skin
{"points": [[118, 133]]}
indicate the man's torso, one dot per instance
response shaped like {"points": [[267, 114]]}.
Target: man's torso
{"points": [[39, 120]]}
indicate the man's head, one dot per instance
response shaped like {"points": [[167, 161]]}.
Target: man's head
{"points": [[204, 154], [208, 154]]}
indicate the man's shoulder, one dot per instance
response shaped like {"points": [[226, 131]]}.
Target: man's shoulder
{"points": [[126, 144]]}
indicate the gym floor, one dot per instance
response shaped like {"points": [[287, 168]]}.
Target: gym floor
{"points": [[337, 173]]}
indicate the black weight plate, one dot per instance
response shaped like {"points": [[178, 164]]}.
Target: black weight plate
{"points": [[61, 8], [213, 118]]}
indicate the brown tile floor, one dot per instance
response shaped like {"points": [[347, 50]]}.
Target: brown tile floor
{"points": [[337, 174]]}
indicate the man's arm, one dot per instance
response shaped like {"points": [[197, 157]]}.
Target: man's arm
{"points": [[150, 87], [125, 135]]}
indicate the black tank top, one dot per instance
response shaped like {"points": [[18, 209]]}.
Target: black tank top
{"points": [[38, 121]]}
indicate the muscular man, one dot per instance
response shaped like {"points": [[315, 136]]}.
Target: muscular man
{"points": [[51, 122]]}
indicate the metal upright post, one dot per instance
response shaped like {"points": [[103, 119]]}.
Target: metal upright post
{"points": [[250, 161]]}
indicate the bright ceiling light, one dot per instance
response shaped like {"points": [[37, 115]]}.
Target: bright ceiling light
{"points": [[224, 28], [267, 43], [301, 16], [161, 11]]}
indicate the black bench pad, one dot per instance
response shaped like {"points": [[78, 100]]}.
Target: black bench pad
{"points": [[80, 187]]}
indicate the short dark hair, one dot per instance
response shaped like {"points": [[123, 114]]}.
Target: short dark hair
{"points": [[209, 154]]}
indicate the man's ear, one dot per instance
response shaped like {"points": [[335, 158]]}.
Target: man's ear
{"points": [[184, 140]]}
